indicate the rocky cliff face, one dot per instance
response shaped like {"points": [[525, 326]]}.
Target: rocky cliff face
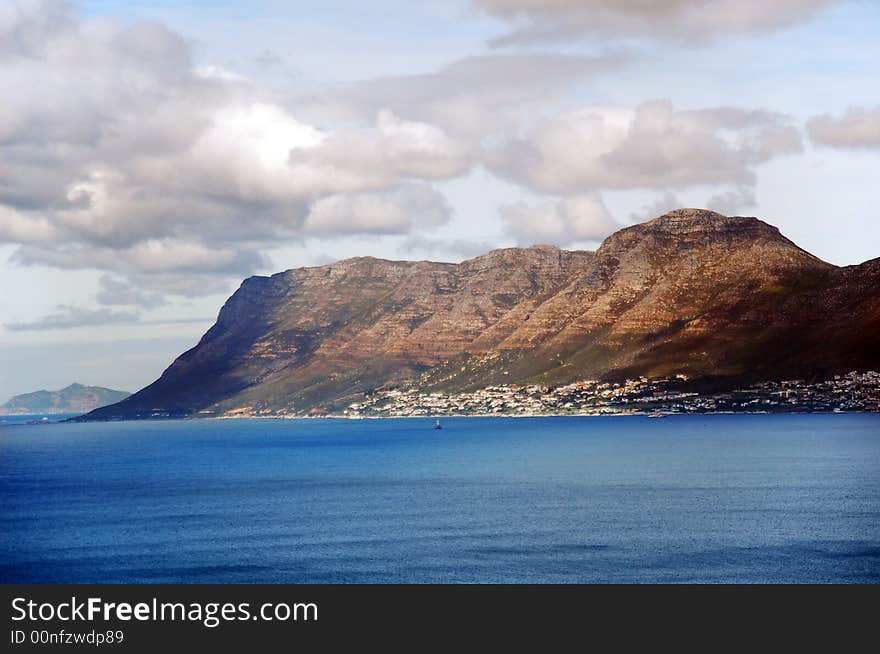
{"points": [[691, 292]]}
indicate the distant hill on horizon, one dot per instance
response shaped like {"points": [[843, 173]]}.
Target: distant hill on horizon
{"points": [[717, 299], [76, 398]]}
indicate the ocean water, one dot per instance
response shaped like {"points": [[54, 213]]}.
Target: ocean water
{"points": [[771, 498]]}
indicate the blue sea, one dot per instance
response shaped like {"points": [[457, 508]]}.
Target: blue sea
{"points": [[719, 498]]}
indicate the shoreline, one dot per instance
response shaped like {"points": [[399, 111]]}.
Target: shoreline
{"points": [[533, 415], [472, 415]]}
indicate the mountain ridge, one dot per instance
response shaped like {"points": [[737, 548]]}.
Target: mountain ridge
{"points": [[690, 292]]}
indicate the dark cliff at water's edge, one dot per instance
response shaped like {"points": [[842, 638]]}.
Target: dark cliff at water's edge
{"points": [[692, 292]]}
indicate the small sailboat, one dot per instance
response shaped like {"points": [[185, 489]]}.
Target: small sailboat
{"points": [[437, 425]]}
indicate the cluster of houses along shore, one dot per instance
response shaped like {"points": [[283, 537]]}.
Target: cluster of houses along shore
{"points": [[855, 391]]}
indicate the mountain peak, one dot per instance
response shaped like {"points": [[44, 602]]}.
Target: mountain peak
{"points": [[689, 220], [682, 229], [692, 214]]}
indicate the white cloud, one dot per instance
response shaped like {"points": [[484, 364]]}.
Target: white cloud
{"points": [[582, 218], [120, 154], [16, 227], [154, 255], [688, 22], [659, 206], [473, 96], [391, 212], [856, 128], [70, 317], [118, 292], [439, 248], [379, 156], [651, 146], [732, 203]]}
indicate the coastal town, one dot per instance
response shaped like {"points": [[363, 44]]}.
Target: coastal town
{"points": [[855, 391]]}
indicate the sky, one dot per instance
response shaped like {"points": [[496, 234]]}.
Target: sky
{"points": [[154, 154]]}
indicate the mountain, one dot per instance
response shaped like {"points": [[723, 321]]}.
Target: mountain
{"points": [[76, 398], [722, 300]]}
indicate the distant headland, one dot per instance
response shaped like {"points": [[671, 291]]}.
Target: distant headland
{"points": [[75, 398]]}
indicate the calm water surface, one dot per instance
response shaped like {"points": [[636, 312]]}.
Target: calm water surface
{"points": [[686, 499]]}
